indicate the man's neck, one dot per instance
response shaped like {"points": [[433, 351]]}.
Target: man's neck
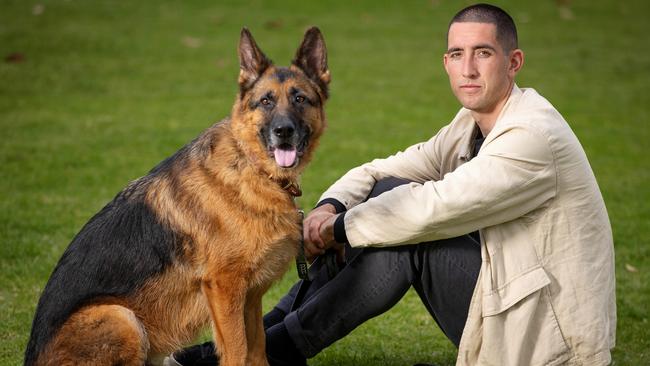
{"points": [[486, 119], [484, 123]]}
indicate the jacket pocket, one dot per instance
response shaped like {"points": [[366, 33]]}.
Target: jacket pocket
{"points": [[520, 326], [500, 299]]}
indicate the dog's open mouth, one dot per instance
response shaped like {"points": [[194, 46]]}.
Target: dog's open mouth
{"points": [[285, 155]]}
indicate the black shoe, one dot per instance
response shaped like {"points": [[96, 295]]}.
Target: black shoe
{"points": [[280, 349], [199, 355], [204, 355], [279, 362]]}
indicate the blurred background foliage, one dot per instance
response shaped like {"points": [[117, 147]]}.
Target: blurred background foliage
{"points": [[95, 93]]}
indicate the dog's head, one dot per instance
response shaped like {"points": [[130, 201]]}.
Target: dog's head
{"points": [[278, 117]]}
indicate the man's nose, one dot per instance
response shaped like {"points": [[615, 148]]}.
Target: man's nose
{"points": [[469, 69]]}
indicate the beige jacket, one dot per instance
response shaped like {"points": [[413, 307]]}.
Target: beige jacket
{"points": [[546, 289]]}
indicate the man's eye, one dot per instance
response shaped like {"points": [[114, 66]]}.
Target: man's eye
{"points": [[454, 55], [484, 53], [300, 99]]}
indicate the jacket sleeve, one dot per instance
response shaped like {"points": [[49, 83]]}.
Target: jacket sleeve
{"points": [[418, 163], [513, 174]]}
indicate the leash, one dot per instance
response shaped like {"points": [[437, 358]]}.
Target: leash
{"points": [[303, 267], [293, 189], [301, 261]]}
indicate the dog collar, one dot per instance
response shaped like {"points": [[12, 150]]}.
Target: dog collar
{"points": [[291, 187]]}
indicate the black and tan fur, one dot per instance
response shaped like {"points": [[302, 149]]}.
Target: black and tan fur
{"points": [[200, 238]]}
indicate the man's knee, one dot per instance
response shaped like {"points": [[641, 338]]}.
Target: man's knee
{"points": [[386, 184]]}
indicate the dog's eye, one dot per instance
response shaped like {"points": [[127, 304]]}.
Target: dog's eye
{"points": [[300, 99], [265, 101]]}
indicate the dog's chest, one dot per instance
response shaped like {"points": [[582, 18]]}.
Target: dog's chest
{"points": [[272, 266], [276, 249]]}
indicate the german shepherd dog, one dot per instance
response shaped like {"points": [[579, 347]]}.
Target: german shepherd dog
{"points": [[201, 237]]}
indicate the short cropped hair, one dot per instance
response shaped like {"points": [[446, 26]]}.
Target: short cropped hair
{"points": [[486, 13]]}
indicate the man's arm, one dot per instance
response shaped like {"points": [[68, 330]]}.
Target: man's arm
{"points": [[513, 175], [418, 163]]}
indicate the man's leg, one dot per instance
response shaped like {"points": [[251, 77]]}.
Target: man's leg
{"points": [[369, 285], [446, 276], [443, 273]]}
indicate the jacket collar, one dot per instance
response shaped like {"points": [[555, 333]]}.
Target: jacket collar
{"points": [[465, 118]]}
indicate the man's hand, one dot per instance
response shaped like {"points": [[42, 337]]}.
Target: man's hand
{"points": [[327, 236], [318, 231]]}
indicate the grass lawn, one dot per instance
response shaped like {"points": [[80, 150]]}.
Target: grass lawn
{"points": [[95, 93]]}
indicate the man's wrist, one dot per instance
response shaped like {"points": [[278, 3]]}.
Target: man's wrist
{"points": [[339, 229], [337, 206]]}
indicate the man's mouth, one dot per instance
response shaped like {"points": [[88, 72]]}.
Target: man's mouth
{"points": [[470, 87]]}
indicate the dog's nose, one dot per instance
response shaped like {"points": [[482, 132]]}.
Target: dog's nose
{"points": [[284, 130]]}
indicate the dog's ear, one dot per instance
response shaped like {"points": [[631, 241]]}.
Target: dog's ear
{"points": [[311, 57], [252, 61]]}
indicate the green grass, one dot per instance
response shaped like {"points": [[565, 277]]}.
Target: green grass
{"points": [[108, 89]]}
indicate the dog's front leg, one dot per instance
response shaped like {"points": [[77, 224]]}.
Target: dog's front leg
{"points": [[255, 327], [226, 298]]}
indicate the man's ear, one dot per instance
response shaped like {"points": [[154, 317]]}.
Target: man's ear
{"points": [[252, 61], [445, 60], [311, 57], [516, 61]]}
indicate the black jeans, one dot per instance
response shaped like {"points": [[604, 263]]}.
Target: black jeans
{"points": [[443, 273]]}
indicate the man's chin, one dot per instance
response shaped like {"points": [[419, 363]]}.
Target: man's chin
{"points": [[474, 103], [468, 100]]}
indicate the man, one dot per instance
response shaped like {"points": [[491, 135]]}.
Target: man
{"points": [[497, 222]]}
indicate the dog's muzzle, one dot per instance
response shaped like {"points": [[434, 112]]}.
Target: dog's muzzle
{"points": [[285, 141]]}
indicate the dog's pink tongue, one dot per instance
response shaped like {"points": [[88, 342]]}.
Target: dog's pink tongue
{"points": [[285, 158]]}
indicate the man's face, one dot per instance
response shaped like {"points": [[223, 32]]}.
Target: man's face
{"points": [[480, 73]]}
